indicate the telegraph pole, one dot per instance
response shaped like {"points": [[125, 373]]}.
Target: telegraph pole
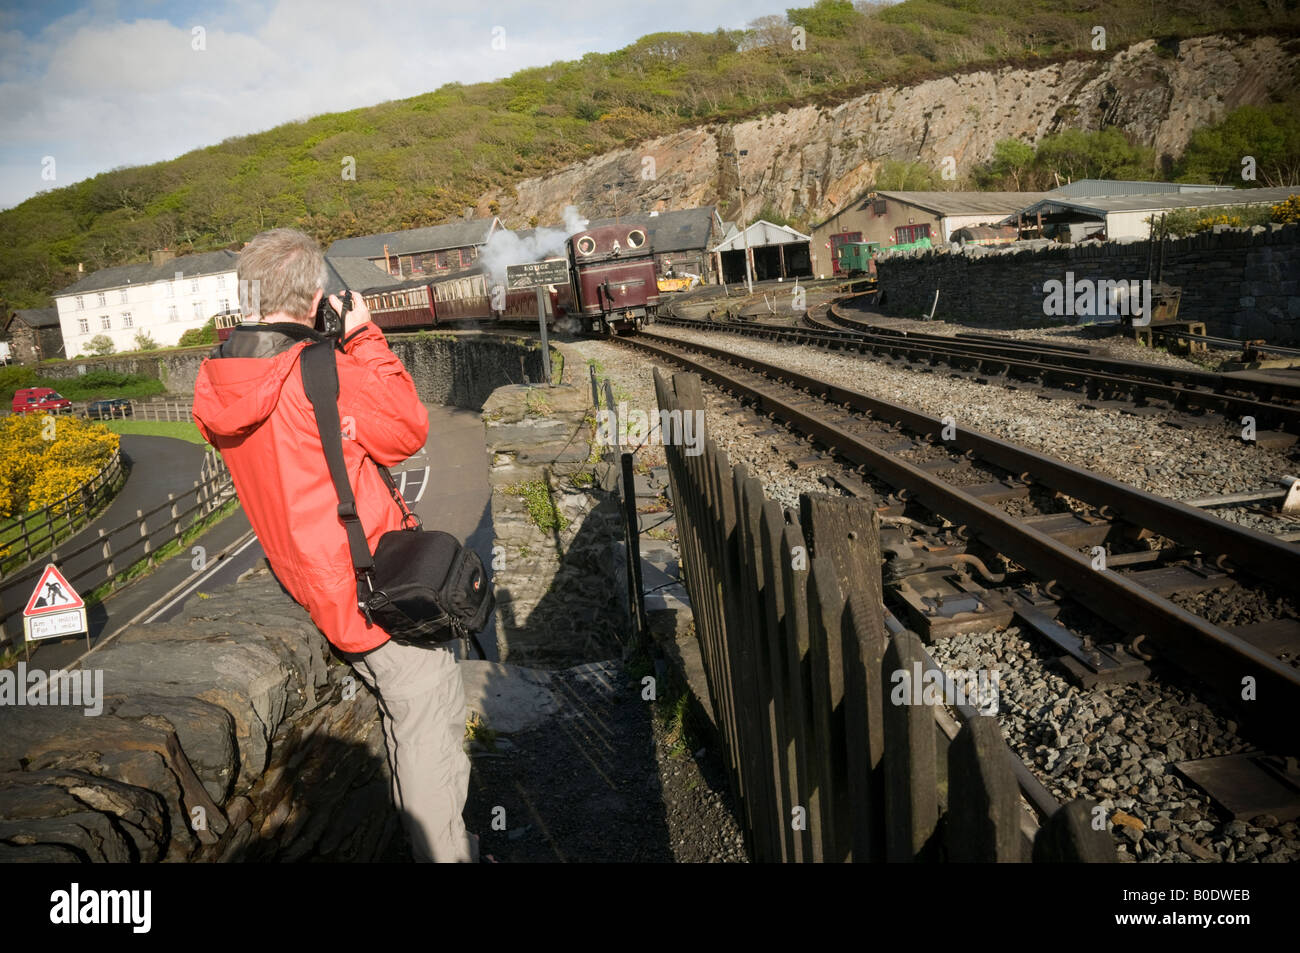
{"points": [[749, 284]]}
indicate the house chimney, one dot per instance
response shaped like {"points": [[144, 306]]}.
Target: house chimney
{"points": [[162, 255]]}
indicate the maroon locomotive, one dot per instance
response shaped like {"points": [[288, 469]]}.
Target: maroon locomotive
{"points": [[612, 278]]}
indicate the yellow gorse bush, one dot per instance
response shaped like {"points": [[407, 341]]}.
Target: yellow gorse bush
{"points": [[1288, 212], [36, 471]]}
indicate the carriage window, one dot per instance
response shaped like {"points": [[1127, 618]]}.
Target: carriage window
{"points": [[636, 238], [586, 245]]}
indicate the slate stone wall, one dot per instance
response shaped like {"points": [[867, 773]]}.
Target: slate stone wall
{"points": [[1240, 282]]}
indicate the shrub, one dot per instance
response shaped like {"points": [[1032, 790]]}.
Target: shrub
{"points": [[144, 341], [100, 345], [36, 471]]}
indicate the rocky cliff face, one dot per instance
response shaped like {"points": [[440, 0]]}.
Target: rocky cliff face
{"points": [[807, 162]]}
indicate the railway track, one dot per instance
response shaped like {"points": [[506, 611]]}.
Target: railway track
{"points": [[1273, 405], [1046, 520]]}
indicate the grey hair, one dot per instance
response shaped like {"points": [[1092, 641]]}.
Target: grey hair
{"points": [[280, 270]]}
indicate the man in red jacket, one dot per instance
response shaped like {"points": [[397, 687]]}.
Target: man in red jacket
{"points": [[250, 405]]}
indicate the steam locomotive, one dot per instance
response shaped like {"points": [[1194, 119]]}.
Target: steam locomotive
{"points": [[613, 287]]}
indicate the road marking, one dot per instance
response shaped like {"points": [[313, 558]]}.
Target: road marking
{"points": [[212, 570]]}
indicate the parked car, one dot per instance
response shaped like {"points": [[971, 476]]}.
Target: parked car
{"points": [[116, 408], [40, 400]]}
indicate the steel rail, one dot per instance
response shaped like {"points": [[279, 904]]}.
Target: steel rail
{"points": [[1204, 381], [1040, 365], [1218, 657]]}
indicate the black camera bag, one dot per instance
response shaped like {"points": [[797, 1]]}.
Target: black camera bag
{"points": [[419, 587]]}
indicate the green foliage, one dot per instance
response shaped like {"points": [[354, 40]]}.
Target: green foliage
{"points": [[1108, 154], [195, 337], [1188, 221], [100, 345], [824, 18], [144, 341], [420, 161], [1269, 134], [542, 510], [14, 378], [895, 176]]}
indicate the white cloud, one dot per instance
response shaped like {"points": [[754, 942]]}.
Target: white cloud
{"points": [[97, 90]]}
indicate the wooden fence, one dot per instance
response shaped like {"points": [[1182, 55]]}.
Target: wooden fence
{"points": [[35, 532], [129, 543], [800, 668], [162, 410]]}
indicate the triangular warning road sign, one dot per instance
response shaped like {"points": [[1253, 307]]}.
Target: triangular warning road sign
{"points": [[52, 594]]}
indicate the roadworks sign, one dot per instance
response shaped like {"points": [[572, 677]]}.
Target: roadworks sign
{"points": [[54, 609]]}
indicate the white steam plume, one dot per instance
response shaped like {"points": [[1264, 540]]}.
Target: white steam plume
{"points": [[506, 248]]}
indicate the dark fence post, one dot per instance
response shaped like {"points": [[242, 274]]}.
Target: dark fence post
{"points": [[595, 388], [632, 530], [911, 796], [983, 798], [1068, 837]]}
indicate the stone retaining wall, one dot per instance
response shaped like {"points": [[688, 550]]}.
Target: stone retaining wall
{"points": [[560, 576], [1240, 282], [230, 733]]}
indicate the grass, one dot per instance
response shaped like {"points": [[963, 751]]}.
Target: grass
{"points": [[541, 505], [536, 404], [477, 730], [177, 429]]}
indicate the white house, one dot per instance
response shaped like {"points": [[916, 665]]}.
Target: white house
{"points": [[165, 298]]}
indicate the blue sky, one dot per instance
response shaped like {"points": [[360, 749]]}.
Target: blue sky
{"points": [[101, 84]]}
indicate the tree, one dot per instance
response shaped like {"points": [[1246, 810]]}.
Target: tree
{"points": [[195, 337], [1269, 135], [898, 176], [1012, 159], [1107, 154], [100, 345], [144, 341], [825, 17]]}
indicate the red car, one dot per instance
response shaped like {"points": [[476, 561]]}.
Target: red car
{"points": [[42, 399]]}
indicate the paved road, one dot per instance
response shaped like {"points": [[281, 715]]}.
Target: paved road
{"points": [[156, 466], [445, 483]]}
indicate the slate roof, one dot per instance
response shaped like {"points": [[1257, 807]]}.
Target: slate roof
{"points": [[38, 317], [359, 274], [685, 229], [119, 276], [433, 238]]}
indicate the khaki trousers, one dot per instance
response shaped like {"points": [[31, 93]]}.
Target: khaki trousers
{"points": [[422, 703]]}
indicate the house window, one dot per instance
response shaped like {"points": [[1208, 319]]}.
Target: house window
{"points": [[171, 289], [198, 311], [221, 281], [171, 313], [102, 299], [81, 303], [225, 306], [904, 234], [83, 325], [122, 296], [126, 319], [194, 285], [440, 260], [104, 322]]}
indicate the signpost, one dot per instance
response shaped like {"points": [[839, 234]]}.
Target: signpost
{"points": [[54, 610], [539, 274]]}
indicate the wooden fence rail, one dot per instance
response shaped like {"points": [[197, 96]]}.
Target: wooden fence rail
{"points": [[829, 761], [177, 514]]}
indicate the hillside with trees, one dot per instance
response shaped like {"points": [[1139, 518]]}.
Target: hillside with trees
{"points": [[423, 160]]}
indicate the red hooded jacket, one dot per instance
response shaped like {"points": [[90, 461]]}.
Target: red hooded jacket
{"points": [[250, 405]]}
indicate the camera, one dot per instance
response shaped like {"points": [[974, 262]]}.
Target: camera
{"points": [[328, 321]]}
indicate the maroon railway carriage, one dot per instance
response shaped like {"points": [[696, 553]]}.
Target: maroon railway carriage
{"points": [[612, 278]]}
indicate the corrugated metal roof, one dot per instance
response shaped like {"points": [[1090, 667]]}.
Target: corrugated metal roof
{"points": [[761, 233], [1105, 205], [120, 276], [411, 241], [965, 203], [1100, 187]]}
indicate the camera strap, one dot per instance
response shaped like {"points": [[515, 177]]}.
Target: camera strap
{"points": [[320, 382]]}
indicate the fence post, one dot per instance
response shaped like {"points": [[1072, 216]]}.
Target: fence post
{"points": [[911, 795], [106, 547], [847, 532], [176, 525], [144, 534], [632, 530], [595, 388], [1069, 837], [983, 797], [613, 416]]}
